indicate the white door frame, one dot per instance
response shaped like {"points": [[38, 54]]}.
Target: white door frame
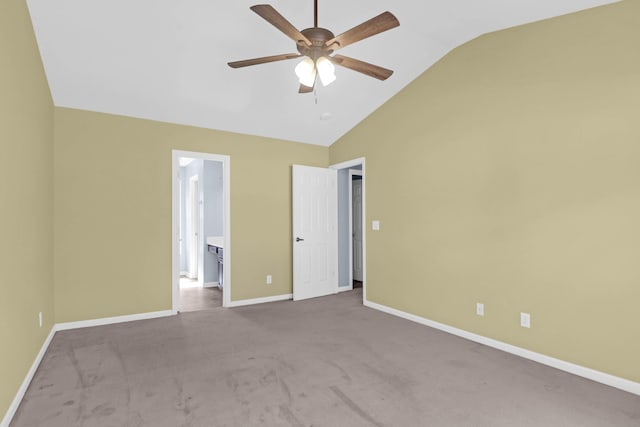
{"points": [[194, 229], [360, 161], [181, 204], [352, 173], [175, 225]]}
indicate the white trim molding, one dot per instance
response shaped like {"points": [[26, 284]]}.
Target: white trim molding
{"points": [[210, 285], [262, 300], [112, 320], [11, 411], [581, 371]]}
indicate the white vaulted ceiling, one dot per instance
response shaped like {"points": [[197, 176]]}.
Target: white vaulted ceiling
{"points": [[167, 60]]}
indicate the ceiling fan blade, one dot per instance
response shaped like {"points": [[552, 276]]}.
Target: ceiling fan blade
{"points": [[263, 60], [306, 89], [274, 18], [383, 22], [362, 67]]}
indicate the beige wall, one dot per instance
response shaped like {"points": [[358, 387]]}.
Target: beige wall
{"points": [[509, 174], [506, 174], [26, 197], [113, 211]]}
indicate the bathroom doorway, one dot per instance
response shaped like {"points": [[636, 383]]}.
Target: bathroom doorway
{"points": [[200, 225]]}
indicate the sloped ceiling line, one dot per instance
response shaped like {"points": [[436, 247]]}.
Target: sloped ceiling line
{"points": [[166, 61]]}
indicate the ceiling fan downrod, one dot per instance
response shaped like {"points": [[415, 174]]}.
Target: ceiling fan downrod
{"points": [[315, 13]]}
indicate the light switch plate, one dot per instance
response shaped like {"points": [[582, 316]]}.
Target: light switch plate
{"points": [[375, 225], [480, 309]]}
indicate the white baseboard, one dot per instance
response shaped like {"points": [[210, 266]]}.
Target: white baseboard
{"points": [[184, 273], [211, 285], [27, 380], [592, 374], [275, 298], [345, 288], [111, 320]]}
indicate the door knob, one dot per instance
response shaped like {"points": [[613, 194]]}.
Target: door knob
{"points": [[299, 239]]}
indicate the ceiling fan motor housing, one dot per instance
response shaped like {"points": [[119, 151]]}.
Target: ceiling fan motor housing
{"points": [[318, 37]]}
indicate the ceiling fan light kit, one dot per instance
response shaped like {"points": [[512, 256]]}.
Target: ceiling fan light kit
{"points": [[306, 72], [326, 71], [317, 45]]}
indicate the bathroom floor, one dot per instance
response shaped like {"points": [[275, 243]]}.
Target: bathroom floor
{"points": [[195, 298]]}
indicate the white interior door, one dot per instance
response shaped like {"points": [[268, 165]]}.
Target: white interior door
{"points": [[194, 227], [357, 228], [315, 232]]}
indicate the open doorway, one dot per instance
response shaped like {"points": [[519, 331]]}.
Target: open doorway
{"points": [[351, 231], [356, 231], [201, 231]]}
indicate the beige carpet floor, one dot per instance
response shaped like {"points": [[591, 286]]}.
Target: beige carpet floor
{"points": [[322, 362]]}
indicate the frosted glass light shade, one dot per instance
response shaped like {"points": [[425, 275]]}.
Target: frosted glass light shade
{"points": [[326, 70], [306, 72]]}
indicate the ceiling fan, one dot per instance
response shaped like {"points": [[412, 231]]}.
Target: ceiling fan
{"points": [[317, 45]]}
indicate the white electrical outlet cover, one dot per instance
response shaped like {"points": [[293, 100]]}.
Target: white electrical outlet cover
{"points": [[480, 309], [375, 225], [525, 320]]}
